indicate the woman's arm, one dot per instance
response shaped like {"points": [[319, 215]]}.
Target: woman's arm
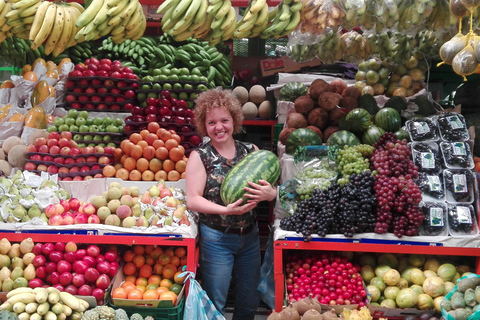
{"points": [[196, 181]]}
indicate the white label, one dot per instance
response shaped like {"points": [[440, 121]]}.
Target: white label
{"points": [[460, 183], [463, 215], [436, 217], [421, 127], [428, 160], [459, 149], [434, 183], [455, 122]]}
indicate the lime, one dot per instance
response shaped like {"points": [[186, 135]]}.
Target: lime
{"points": [[83, 114], [176, 288], [72, 113]]}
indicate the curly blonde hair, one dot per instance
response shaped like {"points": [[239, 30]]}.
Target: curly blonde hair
{"points": [[217, 98]]}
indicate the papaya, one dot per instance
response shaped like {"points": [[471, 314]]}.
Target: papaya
{"points": [[36, 118], [7, 84], [40, 93], [17, 117], [62, 62], [39, 60], [51, 90]]}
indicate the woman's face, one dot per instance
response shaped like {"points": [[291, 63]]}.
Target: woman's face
{"points": [[219, 123]]}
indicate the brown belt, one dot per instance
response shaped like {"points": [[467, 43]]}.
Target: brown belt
{"points": [[243, 230]]}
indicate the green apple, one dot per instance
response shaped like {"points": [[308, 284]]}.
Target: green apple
{"points": [[143, 104], [91, 144], [89, 122], [97, 137], [82, 145], [77, 137], [117, 122], [195, 77], [83, 128], [184, 71], [184, 77], [93, 128], [202, 87], [107, 121], [63, 127], [196, 71], [173, 77], [52, 128], [58, 122], [97, 121], [73, 128], [69, 121], [111, 144], [142, 96], [111, 129], [174, 71], [177, 85], [145, 87], [203, 79], [101, 144], [80, 121], [193, 95], [187, 86], [167, 86], [183, 95], [88, 137], [147, 79], [107, 137], [120, 129], [166, 71], [151, 95], [72, 113], [190, 104], [157, 86], [174, 95], [156, 72], [163, 77], [83, 114]]}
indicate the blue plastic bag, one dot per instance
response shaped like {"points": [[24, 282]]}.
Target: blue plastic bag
{"points": [[198, 305]]}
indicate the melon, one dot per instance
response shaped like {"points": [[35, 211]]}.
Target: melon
{"points": [[17, 156], [5, 167], [241, 93], [265, 110], [257, 94], [2, 154], [249, 110], [10, 142]]}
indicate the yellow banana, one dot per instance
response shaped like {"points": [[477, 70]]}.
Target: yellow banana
{"points": [[247, 25], [120, 28], [285, 12], [192, 9], [203, 30], [138, 27], [101, 15], [77, 5], [166, 5], [66, 32], [125, 14], [141, 31], [262, 16], [136, 17], [75, 13], [105, 31], [2, 5], [183, 36], [230, 19], [180, 8], [39, 17], [228, 33], [30, 11], [257, 5], [89, 13], [56, 30], [294, 21], [201, 12], [224, 9], [46, 28], [180, 26], [22, 4], [111, 3], [6, 9], [116, 9], [213, 8]]}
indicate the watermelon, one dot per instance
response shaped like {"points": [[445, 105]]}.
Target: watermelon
{"points": [[388, 119], [258, 165], [292, 90], [372, 135], [343, 138], [402, 134], [301, 137], [358, 120]]}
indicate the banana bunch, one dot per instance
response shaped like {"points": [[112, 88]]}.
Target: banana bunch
{"points": [[330, 47], [385, 14], [44, 303], [53, 26], [224, 21], [285, 19], [18, 53], [20, 17], [254, 20], [183, 19], [354, 12], [302, 52], [5, 8], [122, 19], [355, 47], [78, 53], [139, 52], [412, 14], [164, 57], [317, 18]]}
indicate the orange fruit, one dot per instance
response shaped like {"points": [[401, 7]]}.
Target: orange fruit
{"points": [[161, 153], [148, 175], [170, 251], [158, 143], [135, 137], [128, 255], [138, 260], [177, 278], [131, 278], [176, 154], [153, 127], [168, 165], [122, 173], [142, 288], [157, 268], [180, 166], [166, 283], [169, 296], [477, 166], [127, 146], [154, 279], [135, 294], [156, 252], [169, 271], [149, 260], [151, 294], [164, 134], [171, 143], [151, 138], [142, 143], [151, 286], [155, 165], [183, 261], [141, 281], [128, 286], [175, 261], [149, 152], [130, 163], [180, 252], [136, 152], [164, 259], [129, 268], [109, 171], [138, 249], [149, 248], [173, 175], [162, 289], [144, 133], [183, 175], [119, 293], [160, 175], [145, 271], [176, 137], [142, 164], [135, 175]]}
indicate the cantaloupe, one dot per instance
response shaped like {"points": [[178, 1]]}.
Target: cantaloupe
{"points": [[2, 154], [249, 110], [241, 93], [41, 133], [10, 142], [17, 156], [265, 110], [257, 94], [5, 167]]}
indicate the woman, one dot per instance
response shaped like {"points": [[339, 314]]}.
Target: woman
{"points": [[228, 233]]}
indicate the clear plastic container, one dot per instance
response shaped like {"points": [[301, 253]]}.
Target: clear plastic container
{"points": [[459, 185], [435, 221], [452, 127], [457, 155], [422, 129], [427, 157], [462, 220], [431, 185]]}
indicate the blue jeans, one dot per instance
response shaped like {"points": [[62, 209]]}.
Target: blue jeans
{"points": [[220, 255]]}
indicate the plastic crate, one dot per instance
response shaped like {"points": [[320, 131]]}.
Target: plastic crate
{"points": [[174, 313], [6, 72]]}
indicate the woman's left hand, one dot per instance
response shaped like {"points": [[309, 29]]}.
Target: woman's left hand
{"points": [[261, 191]]}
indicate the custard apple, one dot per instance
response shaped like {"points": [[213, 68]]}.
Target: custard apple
{"points": [[136, 316], [121, 314], [105, 312], [91, 314]]}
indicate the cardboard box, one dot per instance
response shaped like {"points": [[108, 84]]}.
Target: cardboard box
{"points": [[272, 66], [144, 185], [120, 278]]}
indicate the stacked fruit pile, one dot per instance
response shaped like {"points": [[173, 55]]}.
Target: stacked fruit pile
{"points": [[16, 264], [101, 85], [59, 153]]}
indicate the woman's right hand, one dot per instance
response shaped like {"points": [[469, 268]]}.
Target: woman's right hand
{"points": [[237, 208]]}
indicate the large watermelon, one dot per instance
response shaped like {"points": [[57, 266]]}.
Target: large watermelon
{"points": [[292, 90], [358, 120], [301, 137], [388, 119], [372, 135], [260, 164], [343, 138]]}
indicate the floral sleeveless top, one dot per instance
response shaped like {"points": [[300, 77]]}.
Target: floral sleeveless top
{"points": [[217, 168]]}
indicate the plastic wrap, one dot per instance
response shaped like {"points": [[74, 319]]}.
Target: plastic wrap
{"points": [[320, 15]]}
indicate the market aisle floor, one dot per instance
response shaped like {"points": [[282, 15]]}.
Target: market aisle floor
{"points": [[228, 316]]}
